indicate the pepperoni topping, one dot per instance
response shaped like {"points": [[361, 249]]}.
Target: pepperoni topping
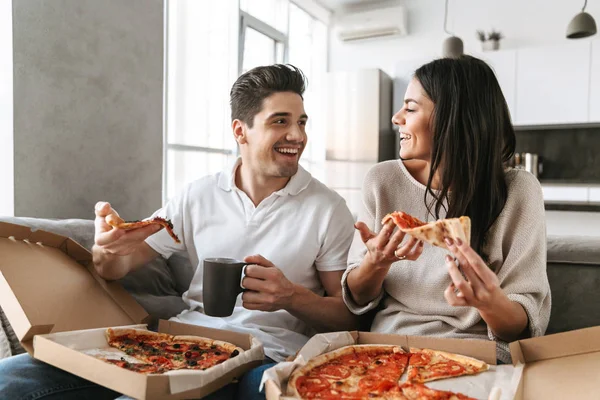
{"points": [[446, 368], [333, 372], [420, 359], [309, 384]]}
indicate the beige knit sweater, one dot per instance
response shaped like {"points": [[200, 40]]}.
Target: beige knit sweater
{"points": [[413, 303]]}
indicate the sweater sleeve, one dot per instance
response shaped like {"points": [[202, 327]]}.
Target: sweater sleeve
{"points": [[358, 249], [521, 233]]}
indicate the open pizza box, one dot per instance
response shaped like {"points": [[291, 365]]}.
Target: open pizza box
{"points": [[483, 386], [59, 307], [560, 366]]}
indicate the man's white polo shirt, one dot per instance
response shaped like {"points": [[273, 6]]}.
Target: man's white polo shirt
{"points": [[303, 228]]}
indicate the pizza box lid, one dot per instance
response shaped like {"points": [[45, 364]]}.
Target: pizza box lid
{"points": [[48, 284], [560, 366]]}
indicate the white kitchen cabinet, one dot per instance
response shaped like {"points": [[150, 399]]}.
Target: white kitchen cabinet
{"points": [[504, 64], [553, 84], [565, 193], [594, 195], [595, 83]]}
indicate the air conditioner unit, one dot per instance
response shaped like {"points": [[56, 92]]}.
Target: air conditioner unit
{"points": [[390, 21]]}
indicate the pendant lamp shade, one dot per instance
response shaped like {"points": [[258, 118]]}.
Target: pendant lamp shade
{"points": [[582, 25], [453, 46]]}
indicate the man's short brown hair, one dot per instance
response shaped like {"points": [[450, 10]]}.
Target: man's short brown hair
{"points": [[252, 87]]}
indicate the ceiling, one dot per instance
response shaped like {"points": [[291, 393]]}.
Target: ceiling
{"points": [[338, 5]]}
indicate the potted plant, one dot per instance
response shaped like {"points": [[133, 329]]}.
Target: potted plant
{"points": [[491, 41]]}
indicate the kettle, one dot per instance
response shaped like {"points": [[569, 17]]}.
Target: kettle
{"points": [[530, 162]]}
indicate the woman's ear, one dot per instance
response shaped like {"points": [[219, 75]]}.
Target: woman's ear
{"points": [[239, 131]]}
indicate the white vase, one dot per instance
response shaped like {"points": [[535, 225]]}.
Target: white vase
{"points": [[490, 45]]}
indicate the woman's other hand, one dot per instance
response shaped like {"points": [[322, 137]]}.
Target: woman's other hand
{"points": [[384, 248], [479, 287]]}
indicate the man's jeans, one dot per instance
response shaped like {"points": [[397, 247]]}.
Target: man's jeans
{"points": [[24, 378]]}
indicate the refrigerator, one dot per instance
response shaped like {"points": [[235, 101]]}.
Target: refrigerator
{"points": [[359, 129]]}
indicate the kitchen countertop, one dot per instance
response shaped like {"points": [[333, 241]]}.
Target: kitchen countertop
{"points": [[564, 206], [569, 182]]}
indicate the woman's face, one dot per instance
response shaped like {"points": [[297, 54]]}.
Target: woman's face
{"points": [[413, 121]]}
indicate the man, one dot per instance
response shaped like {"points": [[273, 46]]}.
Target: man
{"points": [[266, 210]]}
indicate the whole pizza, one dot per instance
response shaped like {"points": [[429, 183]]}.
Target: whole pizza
{"points": [[374, 372], [155, 353]]}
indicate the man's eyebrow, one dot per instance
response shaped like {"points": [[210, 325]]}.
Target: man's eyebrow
{"points": [[285, 114]]}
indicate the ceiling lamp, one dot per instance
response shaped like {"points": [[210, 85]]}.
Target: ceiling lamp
{"points": [[582, 25], [453, 46]]}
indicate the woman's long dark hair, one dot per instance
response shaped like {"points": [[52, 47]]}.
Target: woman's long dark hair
{"points": [[472, 139]]}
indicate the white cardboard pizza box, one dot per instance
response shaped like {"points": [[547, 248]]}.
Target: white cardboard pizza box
{"points": [[65, 350], [560, 366], [275, 379], [50, 292]]}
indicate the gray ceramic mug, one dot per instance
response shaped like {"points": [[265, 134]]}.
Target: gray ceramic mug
{"points": [[222, 283]]}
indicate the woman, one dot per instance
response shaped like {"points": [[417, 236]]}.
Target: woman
{"points": [[456, 137]]}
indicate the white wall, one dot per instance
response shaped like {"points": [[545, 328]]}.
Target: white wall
{"points": [[524, 23], [7, 192]]}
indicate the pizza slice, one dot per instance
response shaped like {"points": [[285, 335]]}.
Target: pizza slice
{"points": [[417, 391], [428, 365], [194, 352], [117, 222], [432, 232]]}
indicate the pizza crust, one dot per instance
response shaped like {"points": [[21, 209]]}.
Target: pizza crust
{"points": [[114, 333]]}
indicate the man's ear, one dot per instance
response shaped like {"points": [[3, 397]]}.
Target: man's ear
{"points": [[239, 131]]}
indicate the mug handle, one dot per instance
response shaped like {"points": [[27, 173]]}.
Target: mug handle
{"points": [[242, 288]]}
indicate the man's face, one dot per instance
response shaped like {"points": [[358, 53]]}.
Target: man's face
{"points": [[272, 147]]}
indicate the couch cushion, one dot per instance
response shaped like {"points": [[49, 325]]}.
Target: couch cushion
{"points": [[574, 249], [575, 296]]}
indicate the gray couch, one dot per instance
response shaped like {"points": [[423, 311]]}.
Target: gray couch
{"points": [[573, 271]]}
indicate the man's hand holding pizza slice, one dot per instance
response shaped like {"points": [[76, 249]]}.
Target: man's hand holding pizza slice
{"points": [[114, 240], [116, 252]]}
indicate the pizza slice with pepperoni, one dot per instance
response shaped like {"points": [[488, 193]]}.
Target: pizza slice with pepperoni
{"points": [[117, 222], [429, 365], [432, 232]]}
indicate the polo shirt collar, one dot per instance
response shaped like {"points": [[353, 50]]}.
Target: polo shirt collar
{"points": [[297, 183]]}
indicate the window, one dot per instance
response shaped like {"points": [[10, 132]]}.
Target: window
{"points": [[209, 43], [201, 66], [308, 51]]}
